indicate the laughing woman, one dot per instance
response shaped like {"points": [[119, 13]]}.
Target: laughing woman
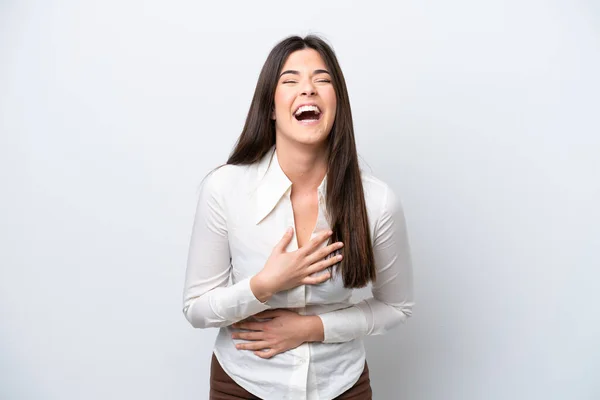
{"points": [[285, 231]]}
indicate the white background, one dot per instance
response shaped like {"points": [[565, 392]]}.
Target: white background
{"points": [[482, 115]]}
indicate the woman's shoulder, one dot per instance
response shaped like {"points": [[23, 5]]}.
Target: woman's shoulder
{"points": [[380, 197], [374, 187], [228, 177]]}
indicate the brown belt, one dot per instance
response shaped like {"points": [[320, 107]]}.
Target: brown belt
{"points": [[222, 387]]}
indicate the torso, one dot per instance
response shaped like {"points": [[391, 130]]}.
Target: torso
{"points": [[250, 242]]}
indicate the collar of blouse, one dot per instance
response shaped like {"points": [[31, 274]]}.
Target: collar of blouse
{"points": [[273, 184]]}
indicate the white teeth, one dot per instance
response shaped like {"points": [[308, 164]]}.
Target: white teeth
{"points": [[307, 108]]}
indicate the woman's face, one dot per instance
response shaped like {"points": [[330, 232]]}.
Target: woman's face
{"points": [[305, 100]]}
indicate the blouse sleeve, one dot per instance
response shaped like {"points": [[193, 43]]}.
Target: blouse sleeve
{"points": [[208, 298], [392, 300]]}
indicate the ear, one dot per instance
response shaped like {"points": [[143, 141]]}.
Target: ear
{"points": [[273, 114]]}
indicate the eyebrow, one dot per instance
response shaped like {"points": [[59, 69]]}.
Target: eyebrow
{"points": [[315, 72]]}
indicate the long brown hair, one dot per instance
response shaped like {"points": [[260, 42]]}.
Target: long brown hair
{"points": [[345, 195]]}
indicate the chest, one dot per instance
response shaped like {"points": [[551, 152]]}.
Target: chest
{"points": [[305, 208], [252, 243]]}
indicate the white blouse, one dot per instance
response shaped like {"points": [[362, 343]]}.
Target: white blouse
{"points": [[242, 213]]}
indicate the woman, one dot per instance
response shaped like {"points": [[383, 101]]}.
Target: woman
{"points": [[287, 327]]}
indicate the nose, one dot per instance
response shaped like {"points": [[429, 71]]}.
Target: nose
{"points": [[308, 89]]}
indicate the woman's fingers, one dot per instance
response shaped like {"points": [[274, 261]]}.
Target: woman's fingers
{"points": [[271, 313], [315, 280], [252, 345], [247, 335], [324, 252], [314, 243], [321, 265], [266, 353], [251, 326], [307, 260], [285, 240]]}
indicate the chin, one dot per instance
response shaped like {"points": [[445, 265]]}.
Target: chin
{"points": [[313, 137], [305, 135]]}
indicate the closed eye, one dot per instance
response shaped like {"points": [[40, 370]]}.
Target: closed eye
{"points": [[319, 81]]}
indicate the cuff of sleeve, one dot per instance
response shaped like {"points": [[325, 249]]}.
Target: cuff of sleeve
{"points": [[240, 305], [343, 325]]}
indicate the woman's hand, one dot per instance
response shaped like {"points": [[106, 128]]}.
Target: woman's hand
{"points": [[286, 330], [286, 270]]}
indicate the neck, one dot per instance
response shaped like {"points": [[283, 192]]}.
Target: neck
{"points": [[304, 165]]}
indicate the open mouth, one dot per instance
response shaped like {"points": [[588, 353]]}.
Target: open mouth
{"points": [[308, 114]]}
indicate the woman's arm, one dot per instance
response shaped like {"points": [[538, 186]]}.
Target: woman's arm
{"points": [[208, 301], [392, 299]]}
